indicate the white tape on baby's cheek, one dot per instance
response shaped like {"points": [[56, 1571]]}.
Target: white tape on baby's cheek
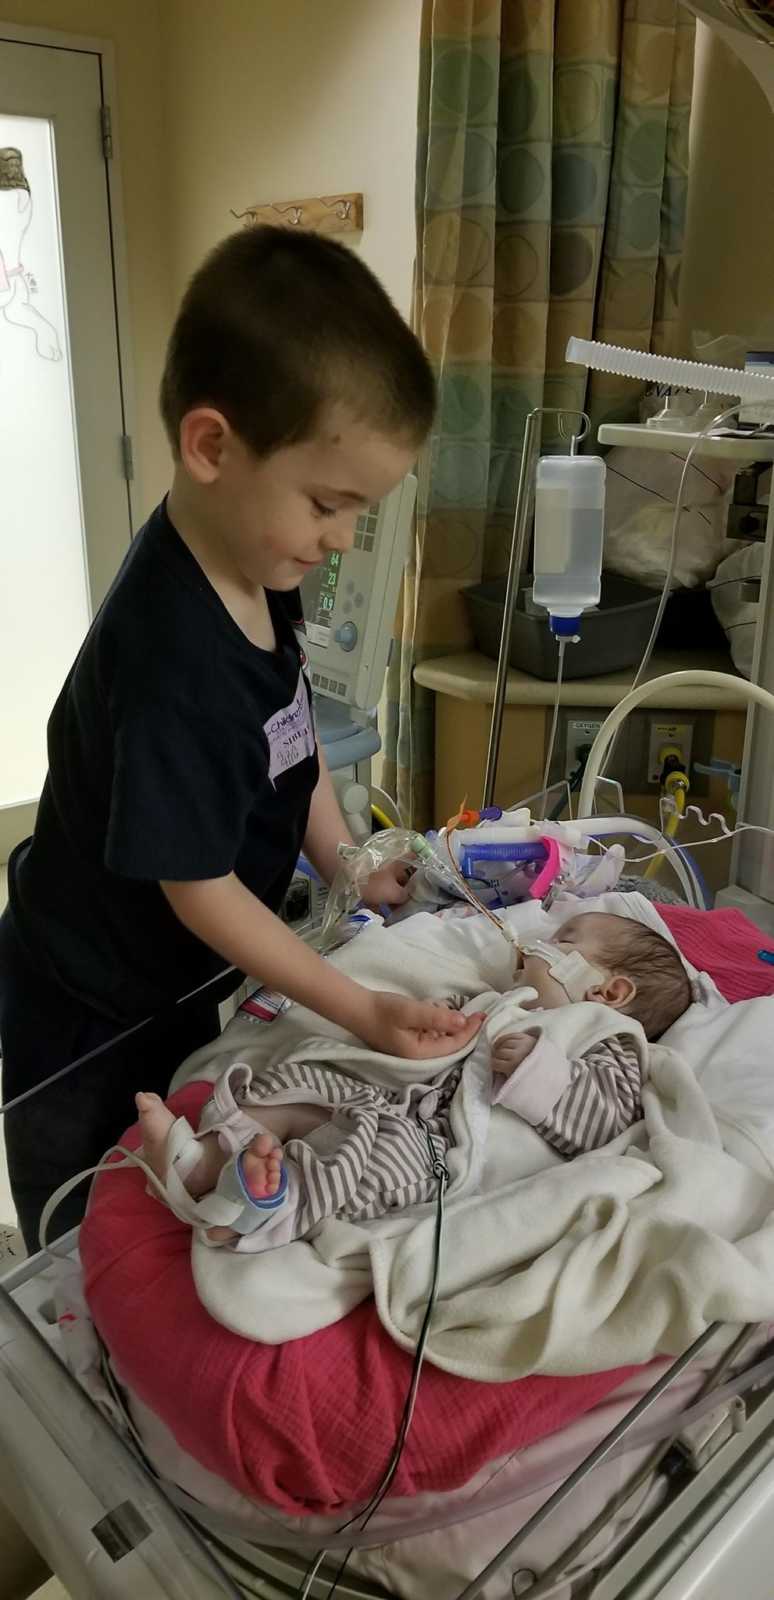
{"points": [[576, 975], [568, 968]]}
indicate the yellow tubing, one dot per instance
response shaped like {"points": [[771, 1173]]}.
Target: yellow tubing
{"points": [[677, 785], [381, 816]]}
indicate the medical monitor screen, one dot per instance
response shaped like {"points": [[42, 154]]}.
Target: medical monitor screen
{"points": [[318, 593]]}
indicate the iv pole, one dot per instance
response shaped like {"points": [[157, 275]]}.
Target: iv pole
{"points": [[530, 446]]}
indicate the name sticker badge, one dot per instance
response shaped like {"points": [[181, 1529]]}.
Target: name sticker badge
{"points": [[289, 734], [264, 1006]]}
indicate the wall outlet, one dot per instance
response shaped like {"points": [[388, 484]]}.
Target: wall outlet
{"points": [[679, 734], [579, 733]]}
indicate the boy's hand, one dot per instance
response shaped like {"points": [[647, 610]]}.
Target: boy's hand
{"points": [[388, 886], [510, 1051], [417, 1030]]}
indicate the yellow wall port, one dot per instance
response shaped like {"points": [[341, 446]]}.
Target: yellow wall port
{"points": [[674, 737]]}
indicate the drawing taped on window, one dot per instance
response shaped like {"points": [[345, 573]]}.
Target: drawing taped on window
{"points": [[18, 283]]}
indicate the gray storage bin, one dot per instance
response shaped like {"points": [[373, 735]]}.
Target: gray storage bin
{"points": [[612, 637]]}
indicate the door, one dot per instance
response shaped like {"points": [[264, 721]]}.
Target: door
{"points": [[65, 513]]}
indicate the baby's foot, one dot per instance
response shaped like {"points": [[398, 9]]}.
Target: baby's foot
{"points": [[261, 1161], [262, 1172], [155, 1123]]}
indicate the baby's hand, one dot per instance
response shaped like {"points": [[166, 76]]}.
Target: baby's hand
{"points": [[510, 1050]]}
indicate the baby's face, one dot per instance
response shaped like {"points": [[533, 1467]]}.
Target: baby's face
{"points": [[580, 933]]}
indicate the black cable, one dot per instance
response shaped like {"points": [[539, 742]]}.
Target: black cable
{"points": [[10, 1105], [573, 782], [364, 1517], [440, 1172]]}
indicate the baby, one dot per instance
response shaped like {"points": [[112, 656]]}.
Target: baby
{"points": [[613, 961], [329, 1144]]}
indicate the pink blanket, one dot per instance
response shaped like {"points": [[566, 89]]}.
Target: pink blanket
{"points": [[309, 1426], [726, 945]]}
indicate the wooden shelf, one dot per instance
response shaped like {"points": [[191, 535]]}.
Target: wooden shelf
{"points": [[471, 676]]}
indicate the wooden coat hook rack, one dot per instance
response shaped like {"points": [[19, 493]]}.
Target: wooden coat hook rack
{"points": [[338, 213]]}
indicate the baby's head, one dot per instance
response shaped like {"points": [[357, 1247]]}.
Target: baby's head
{"points": [[637, 971]]}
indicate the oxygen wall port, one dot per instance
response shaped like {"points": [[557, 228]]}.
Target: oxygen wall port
{"points": [[644, 735], [581, 734]]}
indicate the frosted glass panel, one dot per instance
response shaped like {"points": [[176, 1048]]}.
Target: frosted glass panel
{"points": [[44, 597]]}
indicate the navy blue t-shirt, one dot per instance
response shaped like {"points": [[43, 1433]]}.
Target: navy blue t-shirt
{"points": [[177, 750]]}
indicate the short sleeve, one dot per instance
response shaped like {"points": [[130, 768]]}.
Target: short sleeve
{"points": [[183, 784]]}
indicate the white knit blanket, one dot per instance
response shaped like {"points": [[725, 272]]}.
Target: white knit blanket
{"points": [[548, 1266]]}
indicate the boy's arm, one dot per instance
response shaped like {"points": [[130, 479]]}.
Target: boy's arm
{"points": [[227, 917], [326, 830]]}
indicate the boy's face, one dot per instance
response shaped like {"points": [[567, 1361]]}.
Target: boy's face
{"points": [[279, 516]]}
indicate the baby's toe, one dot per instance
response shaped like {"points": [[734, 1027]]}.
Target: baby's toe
{"points": [[155, 1123], [273, 1172]]}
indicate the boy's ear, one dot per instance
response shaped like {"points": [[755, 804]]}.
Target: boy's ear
{"points": [[617, 991], [204, 434]]}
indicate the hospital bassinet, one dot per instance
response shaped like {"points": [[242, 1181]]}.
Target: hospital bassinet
{"points": [[438, 1531]]}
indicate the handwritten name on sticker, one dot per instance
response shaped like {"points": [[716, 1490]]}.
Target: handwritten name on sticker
{"points": [[289, 734]]}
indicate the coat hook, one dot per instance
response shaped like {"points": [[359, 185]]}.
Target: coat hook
{"points": [[334, 213]]}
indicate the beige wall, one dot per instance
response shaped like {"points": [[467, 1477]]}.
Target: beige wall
{"points": [[133, 26], [728, 267], [222, 103], [280, 99]]}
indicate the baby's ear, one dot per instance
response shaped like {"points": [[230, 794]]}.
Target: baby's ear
{"points": [[617, 991]]}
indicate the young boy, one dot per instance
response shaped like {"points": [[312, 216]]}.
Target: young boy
{"points": [[184, 774]]}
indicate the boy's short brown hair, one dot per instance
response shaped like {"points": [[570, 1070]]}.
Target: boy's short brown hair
{"points": [[278, 324]]}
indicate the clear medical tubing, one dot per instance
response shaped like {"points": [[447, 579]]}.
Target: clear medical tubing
{"points": [[672, 680], [599, 827], [357, 863], [666, 587], [669, 370]]}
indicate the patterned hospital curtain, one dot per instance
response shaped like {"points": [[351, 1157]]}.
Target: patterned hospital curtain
{"points": [[551, 185], [755, 16]]}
